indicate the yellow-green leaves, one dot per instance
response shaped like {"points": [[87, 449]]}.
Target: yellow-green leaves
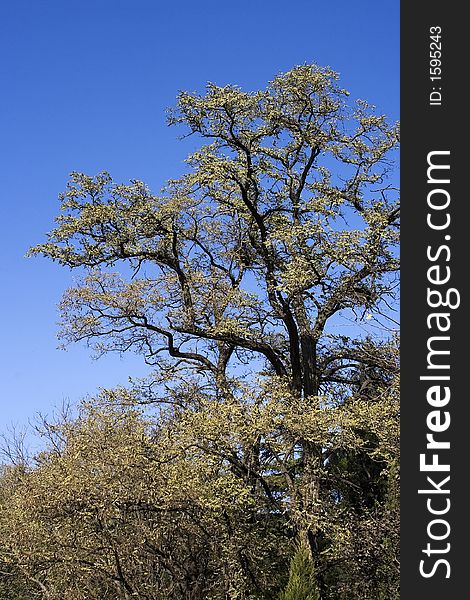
{"points": [[259, 286]]}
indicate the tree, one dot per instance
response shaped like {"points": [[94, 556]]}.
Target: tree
{"points": [[302, 583], [230, 284]]}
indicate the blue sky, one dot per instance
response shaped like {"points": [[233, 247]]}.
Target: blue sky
{"points": [[85, 88]]}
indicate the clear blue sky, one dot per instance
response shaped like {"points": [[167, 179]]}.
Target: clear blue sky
{"points": [[85, 85]]}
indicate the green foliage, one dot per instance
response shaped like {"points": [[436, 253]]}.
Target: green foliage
{"points": [[199, 499], [267, 417], [302, 583]]}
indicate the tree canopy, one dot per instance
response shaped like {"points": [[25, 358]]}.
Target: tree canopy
{"points": [[258, 287]]}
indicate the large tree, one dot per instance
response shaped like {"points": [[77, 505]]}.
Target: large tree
{"points": [[253, 281]]}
